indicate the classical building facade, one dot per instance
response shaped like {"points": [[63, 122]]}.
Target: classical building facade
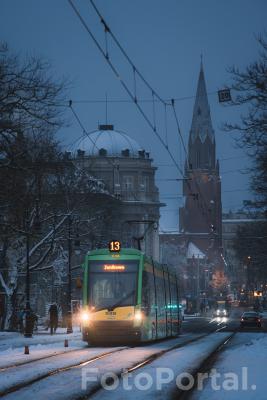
{"points": [[127, 171]]}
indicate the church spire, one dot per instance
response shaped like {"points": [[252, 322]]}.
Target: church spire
{"points": [[201, 139], [201, 122]]}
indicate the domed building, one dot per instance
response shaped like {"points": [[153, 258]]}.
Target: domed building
{"points": [[126, 170]]}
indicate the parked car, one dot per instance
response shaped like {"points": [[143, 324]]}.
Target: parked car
{"points": [[251, 318]]}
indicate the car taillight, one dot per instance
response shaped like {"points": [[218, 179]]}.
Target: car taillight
{"points": [[242, 319], [259, 320]]}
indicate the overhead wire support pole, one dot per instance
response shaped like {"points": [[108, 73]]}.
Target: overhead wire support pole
{"points": [[28, 325], [124, 85], [69, 315]]}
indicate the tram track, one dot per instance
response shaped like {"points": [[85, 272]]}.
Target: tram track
{"points": [[97, 387], [19, 364], [205, 367], [40, 377], [146, 362]]}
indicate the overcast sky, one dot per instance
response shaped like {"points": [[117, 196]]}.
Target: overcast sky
{"points": [[164, 38]]}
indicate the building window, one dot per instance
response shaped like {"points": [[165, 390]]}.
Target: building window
{"points": [[128, 183], [144, 183]]}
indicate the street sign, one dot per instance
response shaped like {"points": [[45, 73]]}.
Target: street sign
{"points": [[224, 95]]}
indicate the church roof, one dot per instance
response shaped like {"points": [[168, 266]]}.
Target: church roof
{"points": [[109, 142], [201, 122]]}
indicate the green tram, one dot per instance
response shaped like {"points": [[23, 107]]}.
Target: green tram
{"points": [[128, 298]]}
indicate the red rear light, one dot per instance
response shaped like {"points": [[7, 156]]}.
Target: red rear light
{"points": [[259, 320]]}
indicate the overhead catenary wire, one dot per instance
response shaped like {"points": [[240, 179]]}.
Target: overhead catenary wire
{"points": [[124, 84], [150, 123], [140, 100], [133, 97], [141, 76]]}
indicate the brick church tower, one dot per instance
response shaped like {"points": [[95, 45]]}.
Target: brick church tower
{"points": [[201, 216]]}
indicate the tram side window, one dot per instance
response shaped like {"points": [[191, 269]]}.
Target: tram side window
{"points": [[160, 295], [148, 292], [174, 298], [168, 300]]}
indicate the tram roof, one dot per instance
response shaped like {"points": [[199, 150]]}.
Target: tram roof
{"points": [[123, 251]]}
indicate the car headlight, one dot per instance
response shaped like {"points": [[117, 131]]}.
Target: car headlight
{"points": [[218, 312], [224, 311]]}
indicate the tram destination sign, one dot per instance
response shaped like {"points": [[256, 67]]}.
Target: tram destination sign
{"points": [[114, 267]]}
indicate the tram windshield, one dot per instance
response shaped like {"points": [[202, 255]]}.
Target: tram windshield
{"points": [[112, 283]]}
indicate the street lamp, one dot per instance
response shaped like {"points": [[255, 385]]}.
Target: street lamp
{"points": [[29, 321], [77, 246], [69, 314]]}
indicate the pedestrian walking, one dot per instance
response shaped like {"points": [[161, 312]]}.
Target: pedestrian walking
{"points": [[53, 313]]}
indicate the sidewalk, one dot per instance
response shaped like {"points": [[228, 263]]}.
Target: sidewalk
{"points": [[42, 336]]}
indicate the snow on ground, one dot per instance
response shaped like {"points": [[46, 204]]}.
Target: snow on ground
{"points": [[157, 379], [247, 350], [41, 345], [68, 384], [12, 340], [36, 369], [16, 356]]}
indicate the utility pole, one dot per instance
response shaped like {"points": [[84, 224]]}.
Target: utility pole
{"points": [[69, 315], [28, 317], [198, 289]]}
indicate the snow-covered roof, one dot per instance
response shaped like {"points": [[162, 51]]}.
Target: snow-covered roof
{"points": [[194, 252], [109, 142]]}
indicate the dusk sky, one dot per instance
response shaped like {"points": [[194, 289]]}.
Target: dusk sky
{"points": [[165, 40]]}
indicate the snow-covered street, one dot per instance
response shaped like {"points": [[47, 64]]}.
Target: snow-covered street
{"points": [[241, 368], [161, 370], [58, 378]]}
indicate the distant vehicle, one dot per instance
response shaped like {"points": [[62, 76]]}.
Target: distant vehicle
{"points": [[251, 318]]}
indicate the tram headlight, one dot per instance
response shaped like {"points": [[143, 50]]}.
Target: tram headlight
{"points": [[138, 316], [85, 317]]}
